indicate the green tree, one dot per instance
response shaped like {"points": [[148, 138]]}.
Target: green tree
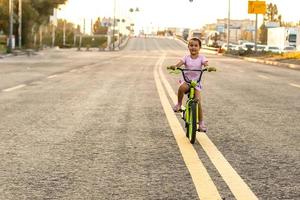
{"points": [[272, 14], [70, 31], [98, 28], [35, 13], [4, 16], [263, 34]]}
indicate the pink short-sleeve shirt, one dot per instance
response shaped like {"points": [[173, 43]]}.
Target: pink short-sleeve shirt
{"points": [[191, 63]]}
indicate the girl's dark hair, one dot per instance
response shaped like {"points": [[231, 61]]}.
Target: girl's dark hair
{"points": [[196, 39]]}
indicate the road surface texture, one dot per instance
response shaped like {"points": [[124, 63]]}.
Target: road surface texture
{"points": [[94, 125]]}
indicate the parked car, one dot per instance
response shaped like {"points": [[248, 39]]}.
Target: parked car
{"points": [[272, 49], [288, 49], [247, 46], [231, 46], [259, 48]]}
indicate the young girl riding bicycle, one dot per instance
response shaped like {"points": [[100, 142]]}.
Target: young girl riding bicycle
{"points": [[193, 61]]}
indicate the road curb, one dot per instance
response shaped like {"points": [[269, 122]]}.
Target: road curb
{"points": [[5, 55], [267, 62]]}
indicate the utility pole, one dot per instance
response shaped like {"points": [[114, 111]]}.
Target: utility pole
{"points": [[41, 37], [54, 23], [20, 24], [91, 26], [113, 35], [228, 26], [64, 33], [84, 26], [10, 46], [53, 35], [74, 39], [255, 36]]}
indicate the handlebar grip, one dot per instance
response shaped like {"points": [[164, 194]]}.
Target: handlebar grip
{"points": [[171, 68], [211, 69]]}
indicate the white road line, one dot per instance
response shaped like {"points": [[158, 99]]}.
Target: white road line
{"points": [[14, 88], [73, 70], [204, 185], [294, 85], [52, 76], [238, 187], [264, 77]]}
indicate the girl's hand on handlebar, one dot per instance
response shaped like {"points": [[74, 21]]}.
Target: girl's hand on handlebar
{"points": [[172, 67], [211, 69]]}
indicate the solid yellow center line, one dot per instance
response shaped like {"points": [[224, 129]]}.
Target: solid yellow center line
{"points": [[204, 185], [236, 184]]}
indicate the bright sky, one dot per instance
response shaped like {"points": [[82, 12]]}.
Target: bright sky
{"points": [[171, 13]]}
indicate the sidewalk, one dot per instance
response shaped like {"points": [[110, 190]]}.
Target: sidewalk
{"points": [[28, 52]]}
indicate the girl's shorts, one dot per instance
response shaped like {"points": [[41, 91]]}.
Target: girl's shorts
{"points": [[198, 87]]}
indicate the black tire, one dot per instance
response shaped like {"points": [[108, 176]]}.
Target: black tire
{"points": [[193, 121], [186, 123]]}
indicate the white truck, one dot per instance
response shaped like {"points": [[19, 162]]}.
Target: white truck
{"points": [[284, 36], [195, 33]]}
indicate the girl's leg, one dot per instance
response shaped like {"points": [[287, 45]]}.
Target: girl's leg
{"points": [[200, 111], [184, 87]]}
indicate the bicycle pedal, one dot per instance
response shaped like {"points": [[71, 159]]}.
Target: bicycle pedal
{"points": [[203, 131]]}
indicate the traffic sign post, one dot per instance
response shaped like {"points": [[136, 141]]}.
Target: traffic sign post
{"points": [[256, 7]]}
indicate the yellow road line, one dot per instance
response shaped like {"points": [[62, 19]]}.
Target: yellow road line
{"points": [[294, 85], [205, 187], [238, 187], [236, 184]]}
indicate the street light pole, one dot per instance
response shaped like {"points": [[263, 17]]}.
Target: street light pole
{"points": [[113, 35], [20, 24], [64, 33], [255, 36], [10, 26], [228, 26]]}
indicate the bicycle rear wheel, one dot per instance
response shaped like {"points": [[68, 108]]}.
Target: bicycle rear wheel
{"points": [[192, 125]]}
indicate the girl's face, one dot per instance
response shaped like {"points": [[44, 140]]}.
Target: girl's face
{"points": [[194, 47]]}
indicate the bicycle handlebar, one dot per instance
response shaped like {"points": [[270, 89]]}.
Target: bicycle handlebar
{"points": [[209, 69]]}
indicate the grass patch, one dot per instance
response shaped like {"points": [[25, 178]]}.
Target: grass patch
{"points": [[2, 49], [288, 55], [291, 55]]}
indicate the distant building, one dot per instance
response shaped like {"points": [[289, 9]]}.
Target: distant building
{"points": [[107, 21], [238, 29]]}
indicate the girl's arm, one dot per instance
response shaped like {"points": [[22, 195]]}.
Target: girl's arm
{"points": [[205, 64], [178, 65]]}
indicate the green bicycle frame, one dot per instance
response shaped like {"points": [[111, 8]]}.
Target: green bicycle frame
{"points": [[188, 116]]}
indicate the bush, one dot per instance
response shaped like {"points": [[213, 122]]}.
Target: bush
{"points": [[2, 48], [93, 41]]}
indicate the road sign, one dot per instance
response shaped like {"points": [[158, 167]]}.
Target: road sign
{"points": [[257, 7]]}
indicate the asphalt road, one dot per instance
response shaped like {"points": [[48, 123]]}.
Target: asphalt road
{"points": [[93, 125]]}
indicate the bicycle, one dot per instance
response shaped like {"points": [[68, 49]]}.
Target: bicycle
{"points": [[190, 111]]}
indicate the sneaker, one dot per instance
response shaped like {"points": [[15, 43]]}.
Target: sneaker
{"points": [[177, 108], [202, 127]]}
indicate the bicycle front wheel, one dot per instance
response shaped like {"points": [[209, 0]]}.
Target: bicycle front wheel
{"points": [[192, 124]]}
